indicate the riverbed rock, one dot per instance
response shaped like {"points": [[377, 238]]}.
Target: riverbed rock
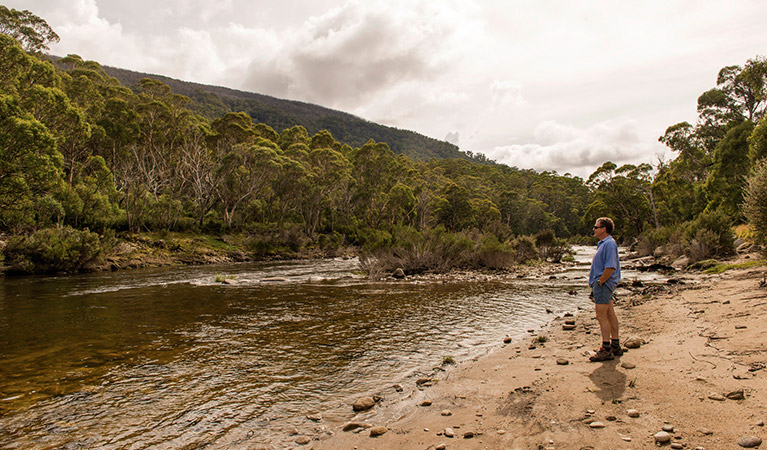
{"points": [[507, 340], [562, 362], [303, 440], [378, 431], [737, 395], [448, 432], [662, 437], [468, 435], [716, 397], [568, 327], [446, 412], [750, 441], [398, 388], [633, 413], [354, 425], [633, 342], [668, 428], [426, 403], [363, 404], [597, 424], [398, 273], [681, 262], [628, 365], [314, 417], [677, 445]]}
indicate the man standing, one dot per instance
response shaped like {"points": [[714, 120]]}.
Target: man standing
{"points": [[603, 278]]}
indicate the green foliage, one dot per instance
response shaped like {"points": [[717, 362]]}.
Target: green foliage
{"points": [[755, 202], [525, 249], [52, 250], [721, 268], [709, 235], [549, 247], [31, 31]]}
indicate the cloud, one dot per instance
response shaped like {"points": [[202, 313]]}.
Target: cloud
{"points": [[567, 149]]}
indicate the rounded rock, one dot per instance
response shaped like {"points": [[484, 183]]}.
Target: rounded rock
{"points": [[662, 437], [633, 413], [378, 431], [668, 428], [440, 447], [628, 365], [303, 440], [363, 404], [597, 424], [448, 432], [749, 441], [447, 412], [562, 362], [677, 445]]}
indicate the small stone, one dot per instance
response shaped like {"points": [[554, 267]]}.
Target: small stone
{"points": [[628, 365], [668, 428], [378, 431], [314, 417], [398, 388], [625, 438], [597, 424], [726, 302], [568, 327], [426, 403], [446, 412], [507, 340], [737, 395], [501, 432], [562, 362], [749, 441], [354, 425], [422, 381], [569, 322], [715, 396], [398, 273], [440, 447], [468, 435], [611, 418], [633, 342], [706, 432], [760, 423], [662, 437], [590, 411], [363, 404], [448, 432], [303, 440], [677, 445], [740, 327], [633, 413]]}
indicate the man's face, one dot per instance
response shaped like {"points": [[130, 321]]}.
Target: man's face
{"points": [[599, 231]]}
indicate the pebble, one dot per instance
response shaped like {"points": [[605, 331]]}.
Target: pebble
{"points": [[440, 447], [737, 395], [749, 441], [314, 417], [468, 435], [628, 365], [760, 423], [662, 437], [398, 388], [448, 432], [625, 438], [633, 342], [363, 404], [611, 418], [597, 424], [501, 431], [353, 426], [562, 361], [715, 396], [378, 431], [293, 432], [632, 413], [507, 340], [706, 432], [568, 327], [677, 445], [303, 440], [426, 403], [569, 322], [668, 428], [446, 412]]}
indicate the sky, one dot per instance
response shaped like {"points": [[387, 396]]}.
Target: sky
{"points": [[538, 84]]}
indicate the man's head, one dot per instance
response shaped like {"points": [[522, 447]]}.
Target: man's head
{"points": [[603, 227]]}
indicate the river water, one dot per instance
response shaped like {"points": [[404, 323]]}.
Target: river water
{"points": [[171, 358]]}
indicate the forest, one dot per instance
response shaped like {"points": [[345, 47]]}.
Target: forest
{"points": [[86, 161]]}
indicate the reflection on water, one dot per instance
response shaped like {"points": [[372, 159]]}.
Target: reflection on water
{"points": [[170, 358]]}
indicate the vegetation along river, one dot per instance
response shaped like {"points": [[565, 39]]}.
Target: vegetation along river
{"points": [[171, 358]]}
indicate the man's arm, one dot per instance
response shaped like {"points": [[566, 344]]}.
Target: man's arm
{"points": [[606, 275]]}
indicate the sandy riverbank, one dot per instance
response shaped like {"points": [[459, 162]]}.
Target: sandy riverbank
{"points": [[703, 341]]}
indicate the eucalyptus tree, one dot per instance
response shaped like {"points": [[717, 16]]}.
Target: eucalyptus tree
{"points": [[33, 33]]}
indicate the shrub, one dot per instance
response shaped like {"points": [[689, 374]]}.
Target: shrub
{"points": [[755, 200], [53, 250], [717, 241], [524, 248], [549, 247]]}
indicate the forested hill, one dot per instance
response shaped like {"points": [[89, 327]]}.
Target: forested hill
{"points": [[214, 101]]}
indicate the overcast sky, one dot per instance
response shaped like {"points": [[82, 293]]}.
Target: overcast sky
{"points": [[548, 85]]}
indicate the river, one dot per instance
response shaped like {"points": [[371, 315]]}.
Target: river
{"points": [[171, 358]]}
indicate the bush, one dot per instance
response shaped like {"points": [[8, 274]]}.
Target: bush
{"points": [[755, 200], [524, 249], [709, 235], [549, 247], [53, 250]]}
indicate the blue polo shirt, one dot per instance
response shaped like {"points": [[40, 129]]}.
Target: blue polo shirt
{"points": [[606, 257]]}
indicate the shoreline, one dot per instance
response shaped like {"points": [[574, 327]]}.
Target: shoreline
{"points": [[550, 396]]}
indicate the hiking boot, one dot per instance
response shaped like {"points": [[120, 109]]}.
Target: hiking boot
{"points": [[616, 351], [602, 355]]}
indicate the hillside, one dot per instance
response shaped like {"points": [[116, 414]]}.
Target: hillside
{"points": [[213, 101]]}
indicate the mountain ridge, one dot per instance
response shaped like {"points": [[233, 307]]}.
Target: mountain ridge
{"points": [[215, 101]]}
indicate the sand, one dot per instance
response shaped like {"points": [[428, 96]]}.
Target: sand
{"points": [[703, 341]]}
